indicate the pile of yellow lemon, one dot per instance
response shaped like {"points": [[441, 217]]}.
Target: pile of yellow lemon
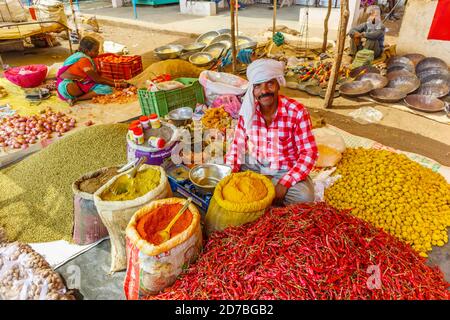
{"points": [[394, 193]]}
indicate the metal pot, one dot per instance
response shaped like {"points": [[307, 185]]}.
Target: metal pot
{"points": [[205, 177], [175, 51]]}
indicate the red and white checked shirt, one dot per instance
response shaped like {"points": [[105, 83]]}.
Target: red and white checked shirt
{"points": [[287, 144]]}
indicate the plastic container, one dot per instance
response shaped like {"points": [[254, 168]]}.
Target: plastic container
{"points": [[27, 76], [145, 122], [138, 135], [121, 70], [154, 121], [156, 142], [162, 102]]}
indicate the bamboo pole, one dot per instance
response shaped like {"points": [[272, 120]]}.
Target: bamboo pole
{"points": [[236, 14], [338, 56], [233, 36], [74, 19], [325, 27], [274, 17]]}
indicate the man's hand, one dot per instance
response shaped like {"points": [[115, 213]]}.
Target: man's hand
{"points": [[357, 35], [280, 193]]}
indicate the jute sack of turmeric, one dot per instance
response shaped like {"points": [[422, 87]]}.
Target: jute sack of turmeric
{"points": [[154, 264], [116, 208], [239, 198], [175, 67]]}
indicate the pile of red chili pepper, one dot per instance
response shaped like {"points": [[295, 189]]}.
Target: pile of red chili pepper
{"points": [[307, 252]]}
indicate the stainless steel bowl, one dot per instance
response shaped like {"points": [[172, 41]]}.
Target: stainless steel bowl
{"points": [[415, 57], [216, 50], [205, 177], [194, 47], [387, 95], [175, 51], [201, 55], [398, 73], [431, 62], [207, 37], [407, 84], [424, 103], [377, 80], [355, 88], [223, 31], [435, 89], [222, 37], [433, 73], [181, 116]]}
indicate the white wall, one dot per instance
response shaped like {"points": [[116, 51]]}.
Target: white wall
{"points": [[415, 28]]}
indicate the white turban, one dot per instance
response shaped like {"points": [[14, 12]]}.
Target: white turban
{"points": [[259, 71]]}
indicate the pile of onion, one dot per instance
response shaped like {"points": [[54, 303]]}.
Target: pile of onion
{"points": [[19, 132]]}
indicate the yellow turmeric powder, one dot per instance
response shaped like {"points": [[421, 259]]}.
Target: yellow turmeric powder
{"points": [[244, 189]]}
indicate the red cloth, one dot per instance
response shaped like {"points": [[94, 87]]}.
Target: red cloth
{"points": [[287, 144], [440, 28]]}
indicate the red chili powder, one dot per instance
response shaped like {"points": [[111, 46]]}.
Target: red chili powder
{"points": [[149, 225]]}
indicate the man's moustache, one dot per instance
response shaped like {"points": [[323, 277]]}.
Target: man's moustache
{"points": [[266, 95]]}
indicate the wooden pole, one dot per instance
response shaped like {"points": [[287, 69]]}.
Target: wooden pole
{"points": [[74, 19], [325, 27], [338, 56], [274, 17], [233, 36], [236, 13]]}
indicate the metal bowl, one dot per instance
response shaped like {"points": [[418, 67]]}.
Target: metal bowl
{"points": [[223, 31], [398, 73], [201, 59], [355, 88], [205, 177], [387, 95], [424, 103], [247, 45], [185, 56], [431, 62], [407, 84], [432, 73], [243, 40], [436, 90], [363, 70], [222, 37], [401, 66], [207, 37], [216, 50], [194, 47], [171, 51], [312, 89], [415, 57], [323, 92], [181, 116], [377, 80]]}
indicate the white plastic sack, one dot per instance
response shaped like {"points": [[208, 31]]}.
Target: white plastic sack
{"points": [[50, 10], [220, 83], [53, 70], [116, 214], [322, 181], [330, 138], [116, 48], [366, 115]]}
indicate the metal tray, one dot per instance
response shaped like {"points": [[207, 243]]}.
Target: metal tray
{"points": [[216, 50], [363, 70], [194, 47], [401, 66], [415, 57], [398, 73], [389, 95], [377, 80], [436, 90], [207, 37], [355, 88], [424, 103], [222, 37], [399, 60], [431, 73], [406, 84], [431, 62]]}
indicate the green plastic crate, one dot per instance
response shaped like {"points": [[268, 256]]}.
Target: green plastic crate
{"points": [[162, 102]]}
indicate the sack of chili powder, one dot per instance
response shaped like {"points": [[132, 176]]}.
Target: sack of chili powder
{"points": [[155, 264]]}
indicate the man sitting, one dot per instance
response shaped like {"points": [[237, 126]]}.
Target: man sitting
{"points": [[373, 31], [273, 135]]}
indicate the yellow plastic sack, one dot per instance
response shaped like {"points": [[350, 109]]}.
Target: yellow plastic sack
{"points": [[223, 213]]}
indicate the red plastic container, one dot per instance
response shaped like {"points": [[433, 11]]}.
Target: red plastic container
{"points": [[118, 70], [27, 76]]}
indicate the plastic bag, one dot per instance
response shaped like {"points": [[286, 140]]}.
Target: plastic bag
{"points": [[151, 268], [220, 83], [322, 181], [53, 70], [115, 215], [330, 138], [366, 115], [223, 213], [116, 48], [25, 275], [231, 104]]}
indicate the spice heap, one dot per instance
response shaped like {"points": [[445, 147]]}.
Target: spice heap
{"points": [[216, 118], [157, 220], [125, 188], [120, 96], [93, 184], [244, 189], [307, 252], [38, 206], [20, 131], [394, 193], [25, 275]]}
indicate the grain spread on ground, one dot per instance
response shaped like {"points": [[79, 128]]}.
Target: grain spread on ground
{"points": [[149, 225], [144, 182], [37, 198], [244, 190], [394, 193]]}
